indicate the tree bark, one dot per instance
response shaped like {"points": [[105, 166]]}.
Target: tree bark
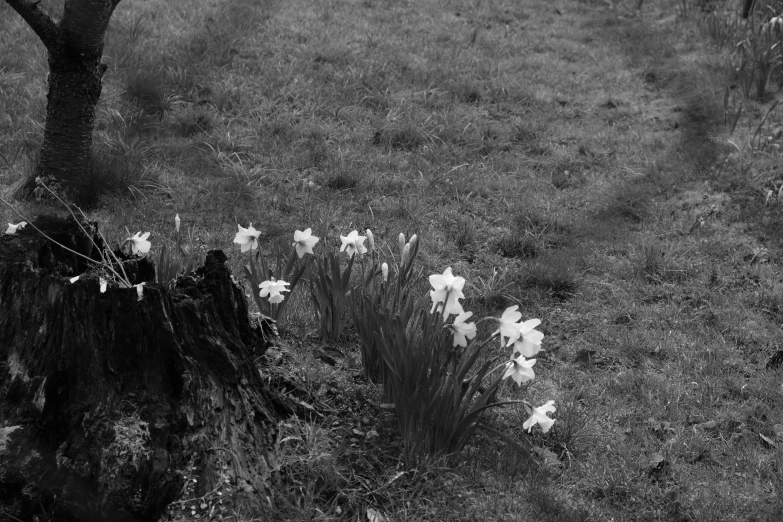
{"points": [[75, 46], [105, 398]]}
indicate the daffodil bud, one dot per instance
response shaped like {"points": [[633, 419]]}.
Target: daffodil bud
{"points": [[370, 240], [385, 272], [401, 241], [176, 222], [413, 240], [359, 249], [405, 253]]}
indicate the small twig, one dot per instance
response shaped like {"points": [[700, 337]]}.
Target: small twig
{"points": [[194, 499], [126, 280], [58, 244], [9, 515]]}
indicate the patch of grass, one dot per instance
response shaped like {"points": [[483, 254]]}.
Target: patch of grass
{"points": [[512, 245], [555, 275], [770, 301], [146, 89], [568, 173], [400, 137], [308, 465], [461, 230], [119, 170], [550, 505], [575, 430], [194, 119], [654, 263], [343, 181]]}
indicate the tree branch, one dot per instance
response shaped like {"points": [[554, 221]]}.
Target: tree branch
{"points": [[38, 20]]}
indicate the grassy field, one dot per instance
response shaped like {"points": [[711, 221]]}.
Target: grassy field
{"points": [[598, 165]]}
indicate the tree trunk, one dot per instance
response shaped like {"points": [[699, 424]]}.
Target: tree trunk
{"points": [[66, 153], [75, 45], [106, 398]]}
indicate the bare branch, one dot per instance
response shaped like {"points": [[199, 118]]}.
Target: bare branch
{"points": [[38, 20]]}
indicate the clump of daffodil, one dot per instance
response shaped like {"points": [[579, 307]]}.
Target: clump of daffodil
{"points": [[430, 362], [275, 279]]}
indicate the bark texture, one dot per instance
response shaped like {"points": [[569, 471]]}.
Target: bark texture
{"points": [[105, 397], [75, 46]]}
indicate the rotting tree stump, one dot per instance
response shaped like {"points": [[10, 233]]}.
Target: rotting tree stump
{"points": [[113, 395]]}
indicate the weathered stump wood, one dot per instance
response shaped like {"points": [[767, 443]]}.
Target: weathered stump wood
{"points": [[112, 394]]}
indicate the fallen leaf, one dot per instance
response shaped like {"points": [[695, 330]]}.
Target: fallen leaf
{"points": [[373, 515], [657, 460], [770, 442]]}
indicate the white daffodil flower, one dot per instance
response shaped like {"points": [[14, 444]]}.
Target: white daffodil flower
{"points": [[538, 416], [528, 343], [272, 289], [520, 369], [13, 228], [353, 242], [508, 327], [304, 242], [139, 243], [447, 290], [462, 330], [247, 237]]}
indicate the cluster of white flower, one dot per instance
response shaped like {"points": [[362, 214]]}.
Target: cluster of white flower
{"points": [[445, 294], [272, 289], [522, 335]]}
